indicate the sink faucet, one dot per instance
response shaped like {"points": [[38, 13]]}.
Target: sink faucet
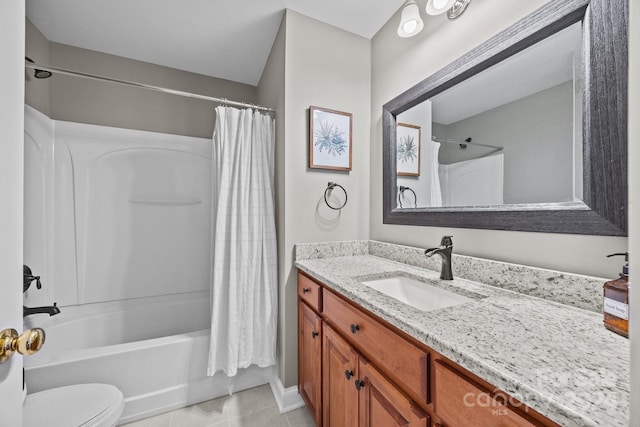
{"points": [[50, 310], [444, 250]]}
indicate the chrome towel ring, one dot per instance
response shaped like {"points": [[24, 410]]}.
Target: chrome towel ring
{"points": [[331, 186]]}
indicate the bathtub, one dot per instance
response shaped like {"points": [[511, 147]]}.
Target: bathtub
{"points": [[153, 349]]}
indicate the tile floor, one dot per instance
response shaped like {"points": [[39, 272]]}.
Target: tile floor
{"points": [[255, 407]]}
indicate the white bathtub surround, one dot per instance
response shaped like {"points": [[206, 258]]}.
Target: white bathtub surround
{"points": [[114, 214], [551, 356], [117, 223], [244, 268]]}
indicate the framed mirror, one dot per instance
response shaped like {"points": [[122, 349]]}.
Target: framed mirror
{"points": [[527, 132]]}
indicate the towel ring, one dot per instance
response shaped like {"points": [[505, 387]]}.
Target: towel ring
{"points": [[401, 194], [331, 186]]}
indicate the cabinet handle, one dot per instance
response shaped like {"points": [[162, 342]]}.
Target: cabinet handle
{"points": [[354, 328], [348, 374], [359, 384], [314, 334], [306, 290]]}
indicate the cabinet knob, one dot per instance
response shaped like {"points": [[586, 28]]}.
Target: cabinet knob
{"points": [[348, 374], [306, 290], [354, 328], [359, 384], [314, 334]]}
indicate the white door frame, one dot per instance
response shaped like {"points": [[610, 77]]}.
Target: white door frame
{"points": [[12, 27]]}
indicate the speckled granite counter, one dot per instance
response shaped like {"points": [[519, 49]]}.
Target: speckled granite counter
{"points": [[556, 358]]}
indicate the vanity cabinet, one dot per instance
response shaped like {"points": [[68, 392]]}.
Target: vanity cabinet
{"points": [[460, 399], [310, 358], [355, 393], [365, 372], [340, 369]]}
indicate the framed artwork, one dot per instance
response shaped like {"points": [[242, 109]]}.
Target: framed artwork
{"points": [[329, 139], [408, 150]]}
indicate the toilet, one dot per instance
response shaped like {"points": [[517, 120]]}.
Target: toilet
{"points": [[79, 405]]}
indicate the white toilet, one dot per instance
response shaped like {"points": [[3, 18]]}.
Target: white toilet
{"points": [[80, 405]]}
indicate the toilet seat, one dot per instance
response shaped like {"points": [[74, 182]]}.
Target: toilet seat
{"points": [[80, 405]]}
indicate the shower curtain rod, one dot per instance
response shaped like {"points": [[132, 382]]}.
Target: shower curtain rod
{"points": [[453, 141], [222, 101]]}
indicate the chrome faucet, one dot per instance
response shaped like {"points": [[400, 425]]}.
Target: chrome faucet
{"points": [[444, 250], [51, 310]]}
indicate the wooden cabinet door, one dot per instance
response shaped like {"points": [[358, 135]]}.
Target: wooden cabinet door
{"points": [[461, 403], [340, 371], [310, 360], [381, 404]]}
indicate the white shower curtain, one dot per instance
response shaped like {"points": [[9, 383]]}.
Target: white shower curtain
{"points": [[434, 167], [244, 261]]}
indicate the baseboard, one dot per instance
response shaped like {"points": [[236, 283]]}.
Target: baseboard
{"points": [[199, 390], [287, 399]]}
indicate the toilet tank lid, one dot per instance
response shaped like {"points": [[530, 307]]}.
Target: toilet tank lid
{"points": [[74, 405]]}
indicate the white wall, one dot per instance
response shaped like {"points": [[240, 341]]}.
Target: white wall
{"points": [[398, 64], [634, 203]]}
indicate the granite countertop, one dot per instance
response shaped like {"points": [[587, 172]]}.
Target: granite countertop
{"points": [[554, 357]]}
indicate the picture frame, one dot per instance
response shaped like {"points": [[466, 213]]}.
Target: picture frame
{"points": [[330, 143], [408, 139]]}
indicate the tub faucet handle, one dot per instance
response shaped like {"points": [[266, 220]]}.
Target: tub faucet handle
{"points": [[28, 277]]}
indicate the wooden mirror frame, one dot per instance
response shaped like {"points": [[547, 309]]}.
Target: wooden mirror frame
{"points": [[604, 125]]}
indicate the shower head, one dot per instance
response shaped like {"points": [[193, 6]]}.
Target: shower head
{"points": [[39, 74]]}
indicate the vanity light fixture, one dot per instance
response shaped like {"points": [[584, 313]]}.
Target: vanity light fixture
{"points": [[437, 7], [458, 8], [410, 21]]}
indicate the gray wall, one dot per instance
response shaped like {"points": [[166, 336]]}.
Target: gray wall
{"points": [[398, 64], [36, 91], [87, 101], [271, 91], [311, 50], [420, 115], [536, 133]]}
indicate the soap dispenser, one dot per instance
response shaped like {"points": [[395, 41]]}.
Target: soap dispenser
{"points": [[616, 301]]}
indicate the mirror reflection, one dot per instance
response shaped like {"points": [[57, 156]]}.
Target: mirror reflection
{"points": [[509, 135]]}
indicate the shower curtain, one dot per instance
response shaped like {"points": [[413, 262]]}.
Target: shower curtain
{"points": [[244, 253], [434, 167]]}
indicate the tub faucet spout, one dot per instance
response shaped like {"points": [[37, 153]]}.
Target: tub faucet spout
{"points": [[50, 310], [444, 250]]}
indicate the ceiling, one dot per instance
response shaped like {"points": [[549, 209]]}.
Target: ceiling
{"points": [[229, 39], [546, 64]]}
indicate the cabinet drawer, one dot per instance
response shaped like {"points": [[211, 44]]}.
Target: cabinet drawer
{"points": [[395, 356], [458, 400], [310, 292]]}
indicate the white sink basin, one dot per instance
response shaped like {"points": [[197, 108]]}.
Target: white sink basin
{"points": [[415, 293]]}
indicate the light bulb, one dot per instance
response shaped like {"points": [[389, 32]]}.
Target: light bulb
{"points": [[410, 26], [440, 4], [410, 21], [436, 7]]}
